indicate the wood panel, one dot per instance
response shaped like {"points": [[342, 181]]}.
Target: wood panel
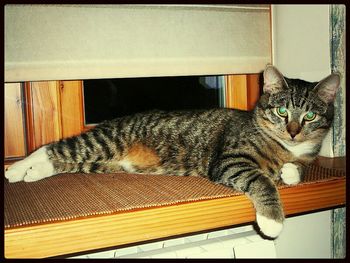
{"points": [[120, 228], [72, 115], [236, 86], [14, 140], [43, 113], [253, 94], [72, 236], [242, 91], [55, 108]]}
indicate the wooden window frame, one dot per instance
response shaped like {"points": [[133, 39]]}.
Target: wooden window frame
{"points": [[14, 119], [61, 102], [55, 109], [242, 91]]}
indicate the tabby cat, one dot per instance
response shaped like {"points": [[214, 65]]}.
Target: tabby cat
{"points": [[248, 151]]}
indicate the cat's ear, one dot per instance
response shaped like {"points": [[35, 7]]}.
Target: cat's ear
{"points": [[328, 87], [273, 80]]}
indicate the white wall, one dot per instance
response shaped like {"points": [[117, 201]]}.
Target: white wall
{"points": [[301, 49], [301, 45], [306, 236]]}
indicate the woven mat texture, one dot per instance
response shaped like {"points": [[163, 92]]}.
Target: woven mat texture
{"points": [[72, 196]]}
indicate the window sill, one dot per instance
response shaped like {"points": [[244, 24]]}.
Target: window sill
{"points": [[126, 227]]}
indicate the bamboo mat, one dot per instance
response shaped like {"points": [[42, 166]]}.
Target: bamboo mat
{"points": [[73, 196]]}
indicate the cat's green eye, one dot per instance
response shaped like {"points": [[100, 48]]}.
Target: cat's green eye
{"points": [[282, 111], [310, 116]]}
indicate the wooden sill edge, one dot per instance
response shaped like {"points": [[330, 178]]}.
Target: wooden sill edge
{"points": [[73, 236]]}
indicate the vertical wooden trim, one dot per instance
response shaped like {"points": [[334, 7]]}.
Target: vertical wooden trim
{"points": [[43, 113], [228, 92], [29, 117], [71, 108], [253, 90], [242, 91], [14, 133]]}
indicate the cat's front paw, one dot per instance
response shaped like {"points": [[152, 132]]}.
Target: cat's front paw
{"points": [[269, 227], [290, 174]]}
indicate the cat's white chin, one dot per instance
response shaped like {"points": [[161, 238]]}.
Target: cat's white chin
{"points": [[268, 226]]}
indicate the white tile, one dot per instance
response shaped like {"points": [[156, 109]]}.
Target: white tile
{"points": [[231, 241], [261, 249], [174, 242], [137, 255], [150, 246], [227, 243], [187, 252], [103, 254], [240, 241], [255, 238], [169, 254], [126, 251], [196, 238], [241, 229], [211, 244], [199, 255], [219, 233], [219, 253]]}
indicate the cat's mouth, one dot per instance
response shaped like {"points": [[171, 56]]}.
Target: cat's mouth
{"points": [[289, 141], [292, 141]]}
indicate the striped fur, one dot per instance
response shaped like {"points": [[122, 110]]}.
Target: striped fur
{"points": [[243, 150]]}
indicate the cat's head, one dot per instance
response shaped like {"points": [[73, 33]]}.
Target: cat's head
{"points": [[295, 110]]}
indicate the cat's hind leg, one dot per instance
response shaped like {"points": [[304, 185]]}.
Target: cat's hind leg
{"points": [[34, 167]]}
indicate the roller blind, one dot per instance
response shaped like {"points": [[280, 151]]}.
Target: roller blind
{"points": [[58, 42]]}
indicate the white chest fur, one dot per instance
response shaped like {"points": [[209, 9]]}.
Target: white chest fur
{"points": [[299, 149]]}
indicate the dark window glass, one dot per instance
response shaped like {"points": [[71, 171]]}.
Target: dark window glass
{"points": [[110, 98]]}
